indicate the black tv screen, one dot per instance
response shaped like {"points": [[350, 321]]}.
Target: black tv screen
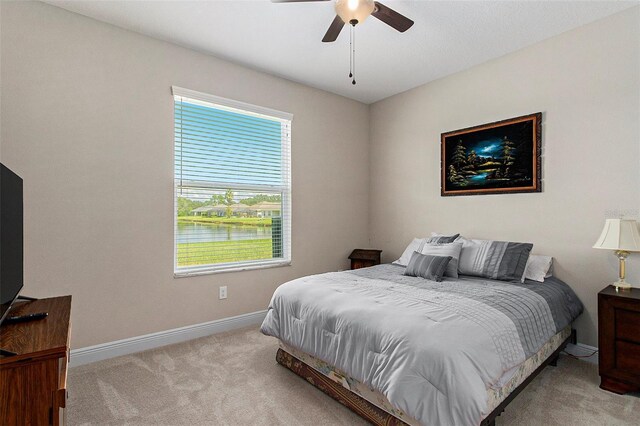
{"points": [[11, 239]]}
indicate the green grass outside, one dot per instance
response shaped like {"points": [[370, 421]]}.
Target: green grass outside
{"points": [[242, 221], [192, 254]]}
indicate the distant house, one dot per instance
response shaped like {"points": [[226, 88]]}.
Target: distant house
{"points": [[262, 209], [267, 209], [239, 209], [217, 210]]}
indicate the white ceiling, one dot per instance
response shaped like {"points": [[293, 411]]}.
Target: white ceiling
{"points": [[285, 39]]}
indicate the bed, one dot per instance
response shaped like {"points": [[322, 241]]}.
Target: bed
{"points": [[405, 350]]}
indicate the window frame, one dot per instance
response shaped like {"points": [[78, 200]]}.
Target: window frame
{"points": [[252, 110]]}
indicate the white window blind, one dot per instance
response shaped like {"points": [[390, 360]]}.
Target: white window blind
{"points": [[232, 185]]}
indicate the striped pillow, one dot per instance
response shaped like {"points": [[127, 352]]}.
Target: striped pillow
{"points": [[452, 250], [441, 239], [498, 260], [427, 266]]}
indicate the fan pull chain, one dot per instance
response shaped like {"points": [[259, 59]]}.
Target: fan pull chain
{"points": [[353, 54], [350, 49]]}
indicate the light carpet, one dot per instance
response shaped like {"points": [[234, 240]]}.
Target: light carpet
{"points": [[233, 379]]}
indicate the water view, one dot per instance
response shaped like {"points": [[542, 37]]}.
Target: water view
{"points": [[479, 177], [199, 232]]}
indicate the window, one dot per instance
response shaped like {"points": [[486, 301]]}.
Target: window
{"points": [[232, 185]]}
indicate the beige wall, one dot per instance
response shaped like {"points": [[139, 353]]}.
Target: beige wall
{"points": [[587, 84], [87, 121]]}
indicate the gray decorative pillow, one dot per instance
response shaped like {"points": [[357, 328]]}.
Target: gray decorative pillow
{"points": [[498, 260], [452, 249], [442, 239], [427, 266]]}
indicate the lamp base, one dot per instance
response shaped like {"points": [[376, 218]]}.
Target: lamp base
{"points": [[622, 285]]}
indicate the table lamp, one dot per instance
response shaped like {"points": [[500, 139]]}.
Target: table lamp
{"points": [[622, 236]]}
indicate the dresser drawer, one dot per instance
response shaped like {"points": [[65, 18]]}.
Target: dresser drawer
{"points": [[628, 357], [619, 339], [628, 325]]}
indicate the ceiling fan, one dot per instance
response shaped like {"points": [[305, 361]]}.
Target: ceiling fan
{"points": [[355, 12]]}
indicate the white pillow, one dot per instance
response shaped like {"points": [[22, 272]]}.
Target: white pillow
{"points": [[538, 268], [415, 245], [451, 249]]}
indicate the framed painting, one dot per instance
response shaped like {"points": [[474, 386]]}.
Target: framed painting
{"points": [[495, 158]]}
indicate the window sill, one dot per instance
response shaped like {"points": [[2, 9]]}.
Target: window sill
{"points": [[230, 268]]}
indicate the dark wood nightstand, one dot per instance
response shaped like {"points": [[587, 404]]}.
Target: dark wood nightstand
{"points": [[363, 258], [619, 339]]}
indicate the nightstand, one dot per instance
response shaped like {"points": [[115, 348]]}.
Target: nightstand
{"points": [[363, 258], [619, 339]]}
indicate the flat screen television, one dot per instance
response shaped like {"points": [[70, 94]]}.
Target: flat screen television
{"points": [[11, 239]]}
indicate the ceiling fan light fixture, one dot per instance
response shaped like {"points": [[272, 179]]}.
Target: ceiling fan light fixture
{"points": [[354, 10]]}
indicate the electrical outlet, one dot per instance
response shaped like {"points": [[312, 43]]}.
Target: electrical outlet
{"points": [[222, 294]]}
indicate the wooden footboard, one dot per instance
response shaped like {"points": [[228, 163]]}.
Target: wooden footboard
{"points": [[376, 415]]}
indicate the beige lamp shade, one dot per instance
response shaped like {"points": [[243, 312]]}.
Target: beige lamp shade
{"points": [[619, 234]]}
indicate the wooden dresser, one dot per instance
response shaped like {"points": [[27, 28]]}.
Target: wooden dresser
{"points": [[33, 383], [619, 339]]}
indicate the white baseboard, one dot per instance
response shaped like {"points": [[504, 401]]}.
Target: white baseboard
{"points": [[154, 340], [581, 350], [131, 345]]}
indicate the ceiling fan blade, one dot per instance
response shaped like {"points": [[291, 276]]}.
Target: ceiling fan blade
{"points": [[294, 1], [334, 30], [391, 17]]}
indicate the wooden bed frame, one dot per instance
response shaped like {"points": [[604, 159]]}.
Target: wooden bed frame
{"points": [[378, 416]]}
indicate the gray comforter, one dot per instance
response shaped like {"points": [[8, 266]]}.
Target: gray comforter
{"points": [[433, 349]]}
